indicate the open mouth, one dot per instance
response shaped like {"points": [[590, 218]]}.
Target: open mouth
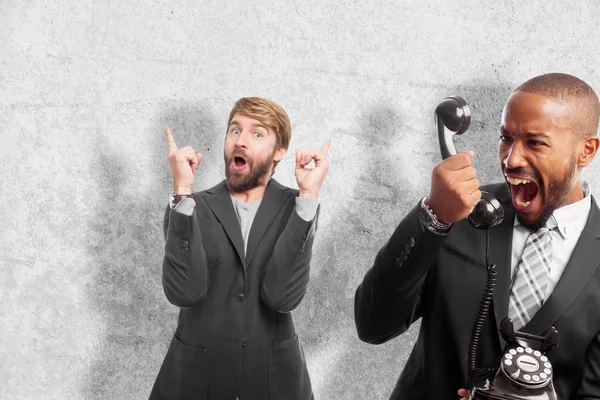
{"points": [[523, 191], [239, 163]]}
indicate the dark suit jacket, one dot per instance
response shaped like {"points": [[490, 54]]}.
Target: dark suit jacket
{"points": [[440, 279], [235, 333]]}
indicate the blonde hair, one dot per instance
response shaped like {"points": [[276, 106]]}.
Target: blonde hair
{"points": [[268, 113]]}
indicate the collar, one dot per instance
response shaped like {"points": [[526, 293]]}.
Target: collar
{"points": [[571, 218]]}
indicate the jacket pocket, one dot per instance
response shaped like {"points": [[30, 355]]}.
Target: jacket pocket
{"points": [[184, 373], [463, 256], [288, 376], [401, 394]]}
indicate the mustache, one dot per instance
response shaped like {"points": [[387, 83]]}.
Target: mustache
{"points": [[521, 172], [239, 153]]}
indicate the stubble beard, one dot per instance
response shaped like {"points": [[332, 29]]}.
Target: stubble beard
{"points": [[257, 173]]}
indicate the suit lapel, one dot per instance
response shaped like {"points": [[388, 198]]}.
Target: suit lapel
{"points": [[581, 266], [219, 201], [274, 199], [500, 255]]}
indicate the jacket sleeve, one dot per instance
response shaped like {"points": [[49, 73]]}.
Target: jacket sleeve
{"points": [[184, 271], [288, 270], [389, 298], [589, 387]]}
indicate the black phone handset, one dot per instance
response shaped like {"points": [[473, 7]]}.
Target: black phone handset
{"points": [[452, 117], [524, 371]]}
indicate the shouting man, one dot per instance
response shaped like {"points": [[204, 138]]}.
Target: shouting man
{"points": [[546, 252]]}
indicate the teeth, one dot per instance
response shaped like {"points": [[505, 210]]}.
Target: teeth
{"points": [[516, 181], [521, 204]]}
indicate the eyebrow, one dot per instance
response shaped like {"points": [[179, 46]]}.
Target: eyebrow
{"points": [[528, 135], [234, 122], [537, 135]]}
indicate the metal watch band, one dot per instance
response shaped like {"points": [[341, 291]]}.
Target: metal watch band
{"points": [[430, 221]]}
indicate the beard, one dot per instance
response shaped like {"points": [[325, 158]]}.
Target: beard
{"points": [[257, 172], [557, 191]]}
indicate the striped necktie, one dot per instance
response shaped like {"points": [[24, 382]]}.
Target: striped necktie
{"points": [[529, 286]]}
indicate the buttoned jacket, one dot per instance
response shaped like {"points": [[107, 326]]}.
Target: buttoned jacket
{"points": [[439, 280], [235, 335]]}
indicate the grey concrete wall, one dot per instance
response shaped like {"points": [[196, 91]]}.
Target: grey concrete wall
{"points": [[86, 87]]}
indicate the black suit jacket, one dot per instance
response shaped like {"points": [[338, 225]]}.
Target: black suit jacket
{"points": [[440, 279], [235, 334]]}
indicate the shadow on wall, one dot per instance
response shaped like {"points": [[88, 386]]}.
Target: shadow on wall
{"points": [[383, 195], [486, 103], [125, 288], [345, 248]]}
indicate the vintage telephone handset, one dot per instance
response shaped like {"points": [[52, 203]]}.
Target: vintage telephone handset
{"points": [[523, 372], [452, 117]]}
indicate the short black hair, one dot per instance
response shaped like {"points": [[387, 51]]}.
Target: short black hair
{"points": [[572, 90]]}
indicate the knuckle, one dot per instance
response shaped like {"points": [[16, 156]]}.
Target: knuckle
{"points": [[465, 198]]}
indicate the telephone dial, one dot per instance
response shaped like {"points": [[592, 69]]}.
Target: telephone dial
{"points": [[523, 372]]}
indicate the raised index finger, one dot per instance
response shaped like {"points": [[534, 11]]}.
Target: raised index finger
{"points": [[170, 141], [325, 148]]}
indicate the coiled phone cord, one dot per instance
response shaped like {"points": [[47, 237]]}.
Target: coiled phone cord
{"points": [[484, 307]]}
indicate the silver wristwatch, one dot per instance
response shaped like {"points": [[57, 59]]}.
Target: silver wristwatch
{"points": [[430, 221]]}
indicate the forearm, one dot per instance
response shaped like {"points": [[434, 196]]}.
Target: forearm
{"points": [[185, 272], [388, 300], [288, 271]]}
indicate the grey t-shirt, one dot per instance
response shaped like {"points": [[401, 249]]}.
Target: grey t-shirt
{"points": [[245, 213]]}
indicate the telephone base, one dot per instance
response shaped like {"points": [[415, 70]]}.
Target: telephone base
{"points": [[483, 394]]}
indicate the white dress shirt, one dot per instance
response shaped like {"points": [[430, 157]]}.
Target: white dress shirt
{"points": [[570, 221]]}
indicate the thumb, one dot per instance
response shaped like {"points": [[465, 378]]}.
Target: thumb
{"points": [[469, 153]]}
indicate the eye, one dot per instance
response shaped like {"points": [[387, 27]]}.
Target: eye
{"points": [[536, 143], [235, 131], [506, 138], [258, 134]]}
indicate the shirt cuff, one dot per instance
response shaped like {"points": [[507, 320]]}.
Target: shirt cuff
{"points": [[306, 208], [185, 206]]}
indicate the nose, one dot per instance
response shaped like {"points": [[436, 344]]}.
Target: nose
{"points": [[515, 156], [241, 140]]}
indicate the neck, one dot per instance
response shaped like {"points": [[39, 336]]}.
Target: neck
{"points": [[251, 195], [575, 194]]}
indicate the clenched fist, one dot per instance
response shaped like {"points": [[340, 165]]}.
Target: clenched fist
{"points": [[183, 164], [454, 188]]}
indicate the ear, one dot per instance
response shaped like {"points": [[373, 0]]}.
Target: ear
{"points": [[279, 154], [589, 147]]}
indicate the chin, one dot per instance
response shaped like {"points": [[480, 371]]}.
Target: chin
{"points": [[534, 223]]}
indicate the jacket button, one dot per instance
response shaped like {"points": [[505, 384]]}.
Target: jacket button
{"points": [[185, 243], [240, 297], [407, 249], [412, 242], [403, 256], [244, 342], [398, 262]]}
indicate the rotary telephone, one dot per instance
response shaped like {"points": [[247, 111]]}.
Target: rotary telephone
{"points": [[523, 372]]}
